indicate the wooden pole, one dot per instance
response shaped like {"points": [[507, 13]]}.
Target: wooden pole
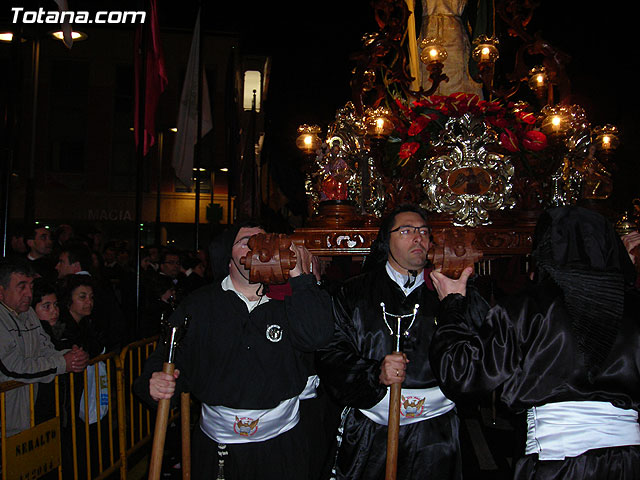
{"points": [[160, 432], [393, 424], [197, 147], [393, 431], [185, 423]]}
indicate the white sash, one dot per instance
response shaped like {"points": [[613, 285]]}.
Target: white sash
{"points": [[568, 429], [235, 425], [310, 388], [416, 405]]}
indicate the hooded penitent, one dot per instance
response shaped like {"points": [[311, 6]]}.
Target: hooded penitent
{"points": [[580, 250]]}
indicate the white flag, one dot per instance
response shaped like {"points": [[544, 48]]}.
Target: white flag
{"points": [[66, 25], [186, 137]]}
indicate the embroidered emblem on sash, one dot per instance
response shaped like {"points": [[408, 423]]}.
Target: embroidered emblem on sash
{"points": [[411, 407], [245, 426], [274, 333]]}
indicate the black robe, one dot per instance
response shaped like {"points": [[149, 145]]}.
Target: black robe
{"points": [[349, 368], [226, 359], [526, 350]]}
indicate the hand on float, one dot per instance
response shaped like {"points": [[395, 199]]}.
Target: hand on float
{"points": [[631, 241], [304, 261], [445, 285]]}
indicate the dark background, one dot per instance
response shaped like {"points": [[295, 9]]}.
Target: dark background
{"points": [[310, 44]]}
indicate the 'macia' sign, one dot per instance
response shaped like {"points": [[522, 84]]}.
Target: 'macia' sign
{"points": [[111, 214], [34, 452]]}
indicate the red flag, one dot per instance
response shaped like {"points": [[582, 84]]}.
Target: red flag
{"points": [[155, 78]]}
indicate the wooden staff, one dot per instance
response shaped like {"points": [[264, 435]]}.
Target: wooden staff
{"points": [[185, 414], [164, 405], [160, 432], [393, 428], [393, 431]]}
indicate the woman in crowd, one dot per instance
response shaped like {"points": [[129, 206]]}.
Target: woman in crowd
{"points": [[89, 331], [81, 327]]}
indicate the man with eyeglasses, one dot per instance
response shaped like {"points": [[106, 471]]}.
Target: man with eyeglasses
{"points": [[358, 365], [170, 264], [244, 357]]}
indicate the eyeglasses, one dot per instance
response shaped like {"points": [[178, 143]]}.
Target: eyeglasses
{"points": [[406, 230], [242, 242]]}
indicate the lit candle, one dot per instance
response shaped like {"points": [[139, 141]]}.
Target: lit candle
{"points": [[485, 54], [308, 140]]}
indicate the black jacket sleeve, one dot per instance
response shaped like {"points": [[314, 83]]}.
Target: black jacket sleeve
{"points": [[472, 354], [308, 312], [350, 376]]}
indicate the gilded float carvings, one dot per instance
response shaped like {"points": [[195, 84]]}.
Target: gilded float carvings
{"points": [[467, 176], [345, 241]]}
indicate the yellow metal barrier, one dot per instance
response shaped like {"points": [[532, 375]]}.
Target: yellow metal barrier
{"points": [[102, 448], [94, 458], [135, 418], [25, 455]]}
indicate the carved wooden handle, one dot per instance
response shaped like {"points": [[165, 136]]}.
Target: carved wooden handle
{"points": [[453, 251], [269, 259]]}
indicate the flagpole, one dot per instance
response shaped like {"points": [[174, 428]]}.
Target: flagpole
{"points": [[158, 227], [197, 149], [30, 193], [142, 82], [8, 122]]}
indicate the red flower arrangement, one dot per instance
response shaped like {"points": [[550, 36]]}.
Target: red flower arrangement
{"points": [[424, 119]]}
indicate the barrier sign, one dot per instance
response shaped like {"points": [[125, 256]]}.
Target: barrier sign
{"points": [[34, 452]]}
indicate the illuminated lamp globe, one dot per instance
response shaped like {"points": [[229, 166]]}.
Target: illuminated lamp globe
{"points": [[308, 140], [538, 79], [606, 138], [555, 122], [432, 51], [485, 50], [379, 124]]}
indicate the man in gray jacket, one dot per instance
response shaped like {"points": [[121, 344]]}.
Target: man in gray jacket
{"points": [[26, 352]]}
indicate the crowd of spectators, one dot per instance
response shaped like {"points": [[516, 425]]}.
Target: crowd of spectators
{"points": [[68, 297], [95, 283]]}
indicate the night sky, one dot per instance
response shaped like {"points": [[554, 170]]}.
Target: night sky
{"points": [[310, 44]]}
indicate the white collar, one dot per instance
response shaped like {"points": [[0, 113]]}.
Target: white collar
{"points": [[401, 279], [227, 285]]}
